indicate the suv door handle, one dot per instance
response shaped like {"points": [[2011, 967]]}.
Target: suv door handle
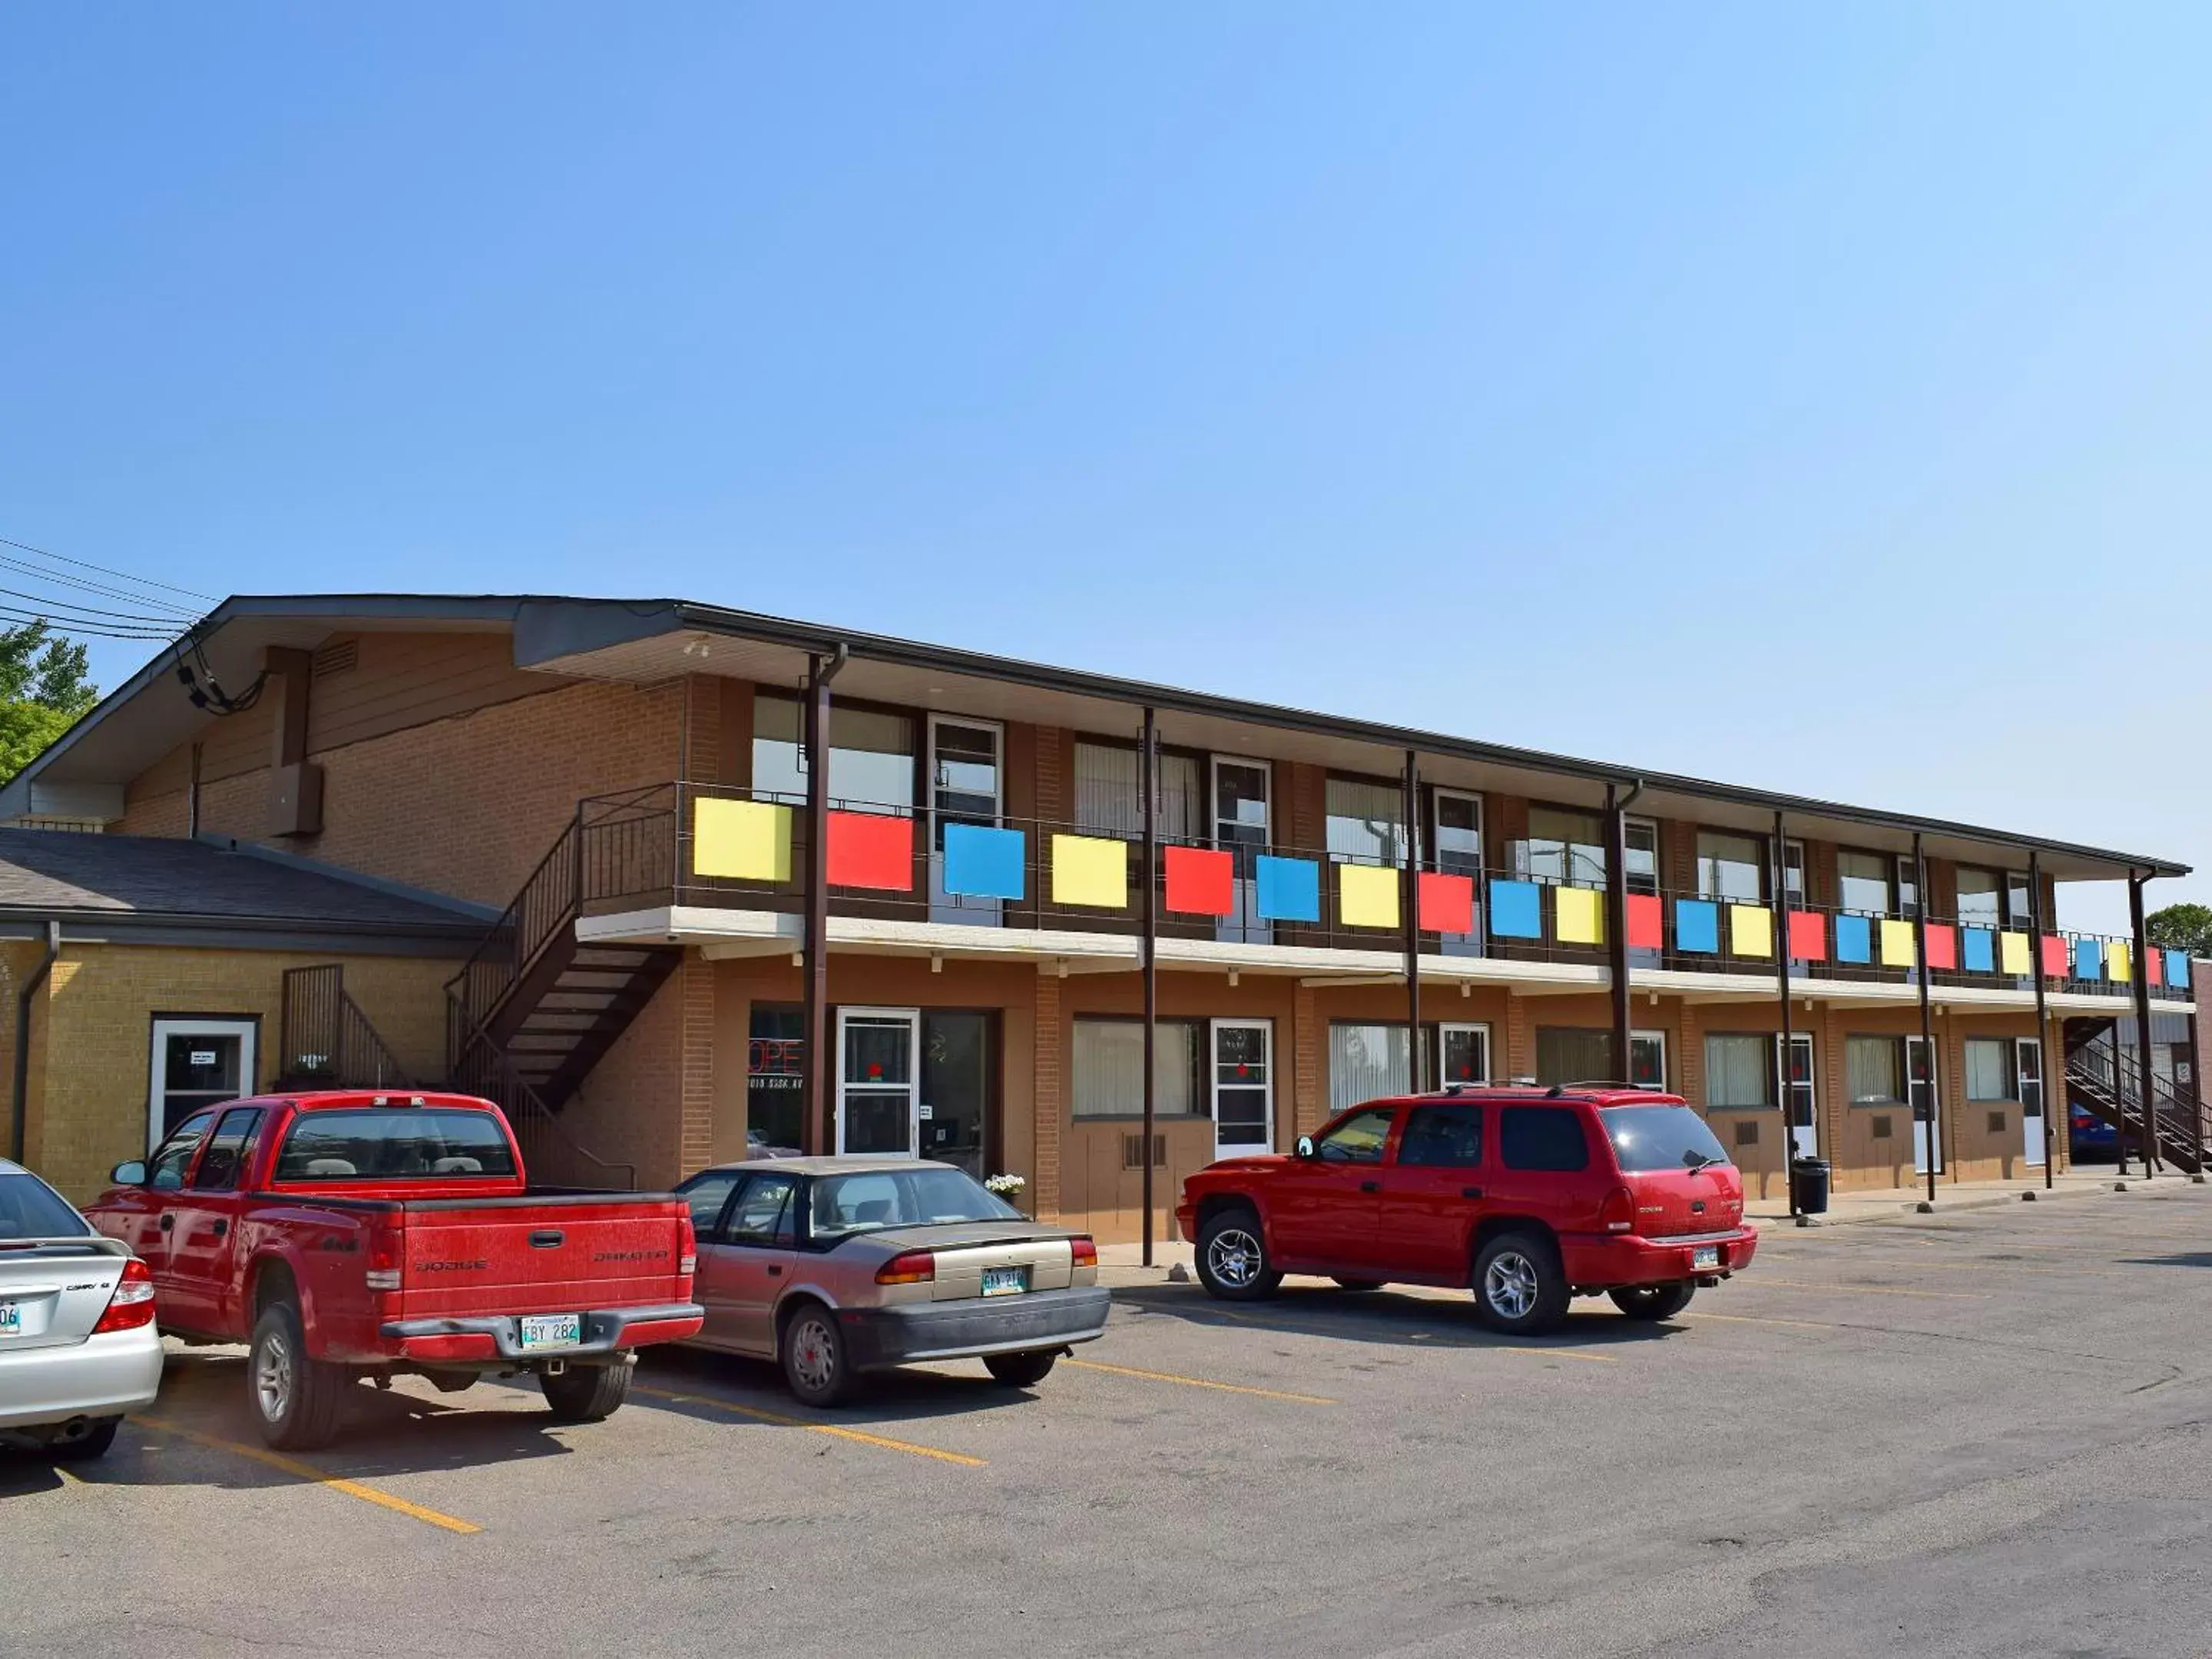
{"points": [[774, 1271], [1470, 1192], [168, 1221], [1370, 1186]]}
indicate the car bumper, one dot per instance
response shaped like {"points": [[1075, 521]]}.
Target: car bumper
{"points": [[960, 1330], [103, 1375], [494, 1338], [1604, 1262], [1186, 1222]]}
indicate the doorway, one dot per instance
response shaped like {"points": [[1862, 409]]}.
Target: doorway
{"points": [[1241, 829], [967, 785], [1801, 1109], [878, 1076], [1456, 833], [2027, 1062], [957, 1074], [1921, 1094], [1243, 1086], [196, 1062], [1466, 1053]]}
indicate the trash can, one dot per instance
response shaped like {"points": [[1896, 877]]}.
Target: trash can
{"points": [[1809, 1185]]}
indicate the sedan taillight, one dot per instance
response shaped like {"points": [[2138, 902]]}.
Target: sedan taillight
{"points": [[913, 1267], [1085, 1249], [132, 1302]]}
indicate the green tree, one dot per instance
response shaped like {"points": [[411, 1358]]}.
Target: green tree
{"points": [[43, 690], [2181, 927]]}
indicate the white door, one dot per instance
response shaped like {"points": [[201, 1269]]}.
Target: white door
{"points": [[1798, 1097], [196, 1063], [1922, 1095], [967, 785], [878, 1082], [2027, 1062], [1241, 829], [1242, 1054], [1455, 840], [1466, 1053]]}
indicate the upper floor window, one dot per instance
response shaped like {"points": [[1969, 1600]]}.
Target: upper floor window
{"points": [[1731, 868], [1642, 864], [1908, 886], [2019, 910], [1366, 820], [1565, 845], [1108, 802], [1981, 897], [871, 753], [1862, 881]]}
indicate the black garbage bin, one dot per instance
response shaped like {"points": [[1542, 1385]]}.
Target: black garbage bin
{"points": [[1809, 1185]]}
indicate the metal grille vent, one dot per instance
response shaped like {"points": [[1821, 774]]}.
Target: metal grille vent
{"points": [[1747, 1132], [1881, 1129], [1133, 1151], [336, 657]]}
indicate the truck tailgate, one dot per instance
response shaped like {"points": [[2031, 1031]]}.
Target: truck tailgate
{"points": [[516, 1255]]}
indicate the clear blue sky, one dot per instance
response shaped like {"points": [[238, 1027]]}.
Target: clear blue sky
{"points": [[1813, 396]]}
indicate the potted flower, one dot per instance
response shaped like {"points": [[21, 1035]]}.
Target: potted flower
{"points": [[1008, 1187]]}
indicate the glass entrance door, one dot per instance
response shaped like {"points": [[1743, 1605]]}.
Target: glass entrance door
{"points": [[1798, 1096], [878, 1070], [966, 786], [2027, 1059], [956, 1081], [1243, 1086], [1241, 829], [196, 1063], [1920, 1093], [1466, 1053]]}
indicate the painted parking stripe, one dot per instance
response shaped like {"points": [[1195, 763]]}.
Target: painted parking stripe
{"points": [[861, 1436], [1202, 1382], [1751, 1318], [293, 1466]]}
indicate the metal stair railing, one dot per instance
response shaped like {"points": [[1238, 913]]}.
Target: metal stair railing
{"points": [[327, 1040], [482, 1068]]}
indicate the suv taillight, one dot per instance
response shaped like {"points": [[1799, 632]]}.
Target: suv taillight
{"points": [[914, 1267], [687, 1246], [1085, 1250], [383, 1273], [1618, 1213], [131, 1303]]}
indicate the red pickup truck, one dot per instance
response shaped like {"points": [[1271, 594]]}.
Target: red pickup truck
{"points": [[349, 1236]]}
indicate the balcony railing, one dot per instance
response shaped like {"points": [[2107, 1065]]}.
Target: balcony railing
{"points": [[718, 847]]}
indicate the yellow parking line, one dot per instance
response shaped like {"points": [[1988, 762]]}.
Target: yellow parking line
{"points": [[1872, 1290], [783, 1422], [1201, 1383], [293, 1466]]}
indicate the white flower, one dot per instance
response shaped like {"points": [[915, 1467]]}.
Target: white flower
{"points": [[1005, 1185]]}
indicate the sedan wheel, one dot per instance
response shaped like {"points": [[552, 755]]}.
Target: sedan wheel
{"points": [[813, 1357]]}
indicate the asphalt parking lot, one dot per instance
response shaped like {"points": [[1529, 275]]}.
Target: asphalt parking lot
{"points": [[1976, 1433]]}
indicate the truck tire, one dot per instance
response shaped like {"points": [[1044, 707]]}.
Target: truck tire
{"points": [[586, 1394], [1653, 1302], [297, 1401], [1233, 1257], [1520, 1286]]}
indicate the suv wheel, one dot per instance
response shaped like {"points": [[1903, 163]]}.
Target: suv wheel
{"points": [[1653, 1301], [1520, 1287], [1233, 1257]]}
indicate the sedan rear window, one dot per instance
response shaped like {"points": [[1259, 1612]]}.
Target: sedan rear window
{"points": [[1660, 1138], [31, 1209], [407, 1143], [847, 1204]]}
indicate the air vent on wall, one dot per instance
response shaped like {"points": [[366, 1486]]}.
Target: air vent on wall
{"points": [[1747, 1132], [1996, 1123], [336, 657], [1881, 1129], [1133, 1151]]}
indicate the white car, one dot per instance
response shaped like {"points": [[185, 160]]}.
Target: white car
{"points": [[78, 1348]]}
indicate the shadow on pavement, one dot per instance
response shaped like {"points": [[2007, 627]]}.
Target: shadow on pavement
{"points": [[2182, 1259], [23, 1473], [886, 1400], [1420, 1322]]}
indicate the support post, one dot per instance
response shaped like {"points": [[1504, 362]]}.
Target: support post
{"points": [[817, 1133], [1148, 784], [1927, 1018], [2042, 1011], [2136, 885], [1616, 927], [1409, 913], [1786, 1060]]}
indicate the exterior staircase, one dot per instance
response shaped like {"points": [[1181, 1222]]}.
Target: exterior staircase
{"points": [[2105, 1081], [325, 1041]]}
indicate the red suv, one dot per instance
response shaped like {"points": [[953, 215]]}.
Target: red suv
{"points": [[1532, 1196]]}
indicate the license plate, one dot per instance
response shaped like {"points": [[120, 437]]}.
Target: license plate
{"points": [[11, 1318], [1705, 1255], [552, 1330], [1006, 1281]]}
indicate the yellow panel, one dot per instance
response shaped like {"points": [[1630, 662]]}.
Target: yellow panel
{"points": [[2117, 965], [1576, 916], [743, 839], [2012, 953], [1897, 945], [1366, 895], [1089, 870], [1751, 929]]}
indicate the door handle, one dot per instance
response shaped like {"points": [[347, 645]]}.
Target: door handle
{"points": [[775, 1272], [1470, 1192], [168, 1222], [1370, 1186], [220, 1229]]}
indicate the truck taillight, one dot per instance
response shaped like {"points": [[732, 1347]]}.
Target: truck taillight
{"points": [[1618, 1213], [914, 1267], [131, 1303], [383, 1273], [687, 1246], [1085, 1250]]}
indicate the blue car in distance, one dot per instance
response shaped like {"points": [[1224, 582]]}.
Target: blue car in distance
{"points": [[2090, 1135]]}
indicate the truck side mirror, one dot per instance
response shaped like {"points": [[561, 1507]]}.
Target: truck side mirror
{"points": [[1305, 1146], [130, 1174]]}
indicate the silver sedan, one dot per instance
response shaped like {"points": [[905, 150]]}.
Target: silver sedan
{"points": [[833, 1266], [77, 1344]]}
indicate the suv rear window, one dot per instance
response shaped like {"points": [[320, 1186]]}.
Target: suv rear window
{"points": [[408, 1143], [1542, 1138], [1660, 1138]]}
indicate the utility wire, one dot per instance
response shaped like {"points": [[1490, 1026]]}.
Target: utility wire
{"points": [[103, 570]]}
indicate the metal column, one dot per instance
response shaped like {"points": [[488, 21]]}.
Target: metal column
{"points": [[817, 1133], [1148, 786], [2042, 1012], [1616, 925], [1409, 895], [2135, 884], [1786, 1064], [1927, 1019]]}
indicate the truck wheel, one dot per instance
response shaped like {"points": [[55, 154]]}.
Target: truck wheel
{"points": [[1520, 1286], [1652, 1302], [812, 1355], [297, 1401], [586, 1394], [1233, 1257], [1020, 1370]]}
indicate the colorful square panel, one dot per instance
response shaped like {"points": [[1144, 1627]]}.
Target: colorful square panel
{"points": [[2013, 954], [1977, 950], [2153, 965], [1366, 895], [1809, 936], [2176, 968], [1576, 916], [1202, 881], [1446, 903], [982, 862], [1898, 949], [1854, 939], [1697, 924], [740, 840], [1942, 946], [1516, 909], [2119, 964], [2089, 959], [2055, 960], [1290, 889], [1090, 871], [1751, 929], [1647, 922], [867, 849]]}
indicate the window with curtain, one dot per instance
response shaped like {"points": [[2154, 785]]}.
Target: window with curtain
{"points": [[1732, 868], [1981, 897], [1862, 881], [1874, 1070], [1366, 820], [871, 754], [1107, 800], [1989, 1069], [1366, 1062], [1107, 1068], [1739, 1071], [1569, 1053], [1565, 845]]}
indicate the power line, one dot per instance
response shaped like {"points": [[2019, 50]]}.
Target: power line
{"points": [[101, 569], [164, 606]]}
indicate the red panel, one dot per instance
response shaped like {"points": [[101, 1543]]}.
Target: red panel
{"points": [[2056, 962], [1647, 922], [1942, 946], [1809, 936], [1200, 881], [869, 850], [1447, 903], [2155, 966]]}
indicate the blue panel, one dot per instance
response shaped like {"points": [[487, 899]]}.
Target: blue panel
{"points": [[982, 862], [2089, 959], [1289, 889], [1697, 924], [1516, 909], [1854, 939], [1977, 950], [2177, 969]]}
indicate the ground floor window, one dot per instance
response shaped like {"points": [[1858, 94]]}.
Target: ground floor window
{"points": [[1988, 1070], [1367, 1059], [1739, 1070], [775, 1076], [1578, 1053], [1107, 1068], [1874, 1070]]}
